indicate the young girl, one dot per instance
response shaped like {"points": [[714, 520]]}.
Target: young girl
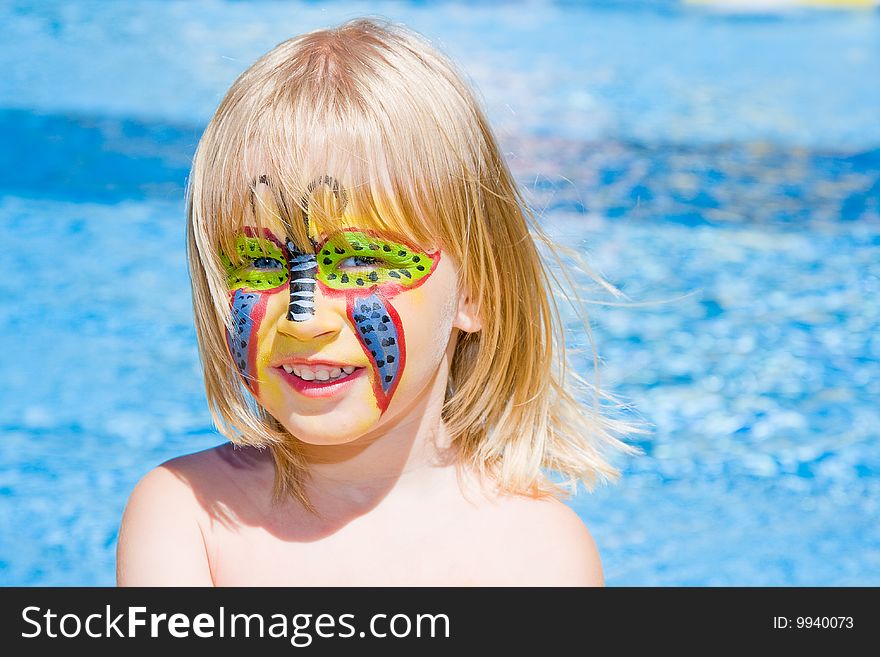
{"points": [[379, 339]]}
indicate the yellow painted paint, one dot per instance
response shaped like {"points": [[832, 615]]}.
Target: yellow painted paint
{"points": [[271, 388], [363, 422]]}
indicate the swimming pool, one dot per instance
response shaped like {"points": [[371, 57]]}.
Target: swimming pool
{"points": [[729, 162]]}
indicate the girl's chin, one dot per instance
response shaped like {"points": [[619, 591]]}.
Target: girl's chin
{"points": [[326, 441], [332, 428], [319, 436]]}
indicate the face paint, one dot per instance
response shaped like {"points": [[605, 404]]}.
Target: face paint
{"points": [[386, 269], [262, 263], [392, 265], [381, 336], [303, 266], [363, 267], [303, 269], [248, 310], [260, 271]]}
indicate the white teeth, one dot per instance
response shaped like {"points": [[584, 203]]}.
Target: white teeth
{"points": [[321, 373]]}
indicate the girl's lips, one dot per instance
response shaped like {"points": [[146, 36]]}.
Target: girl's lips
{"points": [[318, 388]]}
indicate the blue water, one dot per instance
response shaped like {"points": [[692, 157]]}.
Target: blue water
{"points": [[726, 164]]}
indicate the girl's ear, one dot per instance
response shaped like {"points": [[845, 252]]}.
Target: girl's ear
{"points": [[467, 318]]}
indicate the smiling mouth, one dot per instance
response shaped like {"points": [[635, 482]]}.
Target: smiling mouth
{"points": [[316, 387], [322, 375]]}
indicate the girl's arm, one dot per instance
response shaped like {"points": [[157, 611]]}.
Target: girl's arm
{"points": [[160, 541]]}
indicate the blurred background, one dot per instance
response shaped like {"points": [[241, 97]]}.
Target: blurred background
{"points": [[726, 155]]}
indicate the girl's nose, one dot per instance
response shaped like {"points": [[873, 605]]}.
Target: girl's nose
{"points": [[312, 317]]}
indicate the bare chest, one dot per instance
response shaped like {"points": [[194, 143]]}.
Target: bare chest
{"points": [[428, 552]]}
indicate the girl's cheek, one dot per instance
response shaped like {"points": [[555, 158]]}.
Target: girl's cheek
{"points": [[427, 323]]}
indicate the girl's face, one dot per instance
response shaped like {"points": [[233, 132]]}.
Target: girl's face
{"points": [[335, 342]]}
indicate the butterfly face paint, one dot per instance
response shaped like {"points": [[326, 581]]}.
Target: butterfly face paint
{"points": [[362, 267]]}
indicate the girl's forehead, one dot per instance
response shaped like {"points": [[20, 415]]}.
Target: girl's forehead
{"points": [[325, 213], [334, 181]]}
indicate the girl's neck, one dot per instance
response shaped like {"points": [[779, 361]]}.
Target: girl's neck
{"points": [[404, 455]]}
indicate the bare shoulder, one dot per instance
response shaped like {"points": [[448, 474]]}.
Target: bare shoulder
{"points": [[161, 538], [541, 542]]}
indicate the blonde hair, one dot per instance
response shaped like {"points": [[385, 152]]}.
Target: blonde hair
{"points": [[377, 102]]}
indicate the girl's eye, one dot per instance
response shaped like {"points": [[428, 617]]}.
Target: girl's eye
{"points": [[359, 261], [266, 263]]}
